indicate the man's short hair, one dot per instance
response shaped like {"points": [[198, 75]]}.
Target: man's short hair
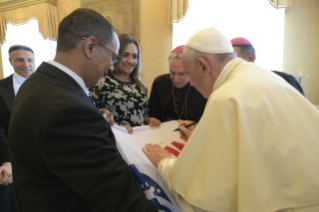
{"points": [[192, 55], [19, 47], [246, 49], [81, 23]]}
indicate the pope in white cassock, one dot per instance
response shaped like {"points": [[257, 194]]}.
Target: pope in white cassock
{"points": [[256, 147]]}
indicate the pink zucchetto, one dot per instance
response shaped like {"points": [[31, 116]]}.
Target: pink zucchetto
{"points": [[210, 41], [178, 49], [240, 42]]}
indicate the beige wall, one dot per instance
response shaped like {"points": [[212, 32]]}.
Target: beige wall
{"points": [[301, 46], [155, 39], [65, 7]]}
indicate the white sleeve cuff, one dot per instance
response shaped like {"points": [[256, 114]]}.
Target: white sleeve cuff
{"points": [[164, 167]]}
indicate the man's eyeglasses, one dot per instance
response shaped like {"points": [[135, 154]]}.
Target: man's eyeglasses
{"points": [[115, 57]]}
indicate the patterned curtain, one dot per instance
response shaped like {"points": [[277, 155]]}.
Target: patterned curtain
{"points": [[178, 10], [279, 4], [45, 13]]}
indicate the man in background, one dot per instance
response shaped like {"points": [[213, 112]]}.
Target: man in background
{"points": [[22, 60], [63, 151], [172, 97], [249, 151], [246, 51]]}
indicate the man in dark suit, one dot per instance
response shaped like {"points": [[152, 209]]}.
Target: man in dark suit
{"points": [[22, 61], [246, 51], [63, 151]]}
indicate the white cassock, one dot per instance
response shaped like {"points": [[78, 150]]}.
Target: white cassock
{"points": [[255, 149]]}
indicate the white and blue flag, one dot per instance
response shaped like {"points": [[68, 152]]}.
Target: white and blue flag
{"points": [[130, 146]]}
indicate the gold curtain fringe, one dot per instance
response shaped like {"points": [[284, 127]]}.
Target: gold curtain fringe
{"points": [[280, 4], [45, 13], [178, 9], [18, 24]]}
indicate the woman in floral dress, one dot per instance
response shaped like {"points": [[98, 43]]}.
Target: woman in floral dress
{"points": [[123, 92]]}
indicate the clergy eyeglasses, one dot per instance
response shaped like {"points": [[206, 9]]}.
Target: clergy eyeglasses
{"points": [[115, 57]]}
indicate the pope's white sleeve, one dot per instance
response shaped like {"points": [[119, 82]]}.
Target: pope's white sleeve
{"points": [[164, 168]]}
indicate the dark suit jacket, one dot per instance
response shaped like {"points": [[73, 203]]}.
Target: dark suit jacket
{"points": [[63, 151], [161, 94], [3, 148], [291, 80], [6, 102], [8, 202]]}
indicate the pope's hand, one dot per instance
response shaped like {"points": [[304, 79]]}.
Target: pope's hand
{"points": [[185, 133], [155, 153]]}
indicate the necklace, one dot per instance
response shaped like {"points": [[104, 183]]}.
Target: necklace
{"points": [[179, 115]]}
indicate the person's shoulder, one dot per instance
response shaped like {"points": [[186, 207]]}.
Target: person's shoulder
{"points": [[283, 75], [162, 78], [6, 81], [195, 94], [68, 102], [109, 79], [55, 91]]}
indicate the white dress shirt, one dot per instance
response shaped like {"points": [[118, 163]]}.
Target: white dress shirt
{"points": [[17, 82]]}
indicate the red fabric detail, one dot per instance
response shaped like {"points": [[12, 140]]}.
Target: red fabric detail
{"points": [[172, 151], [178, 145], [178, 49], [240, 41], [167, 118]]}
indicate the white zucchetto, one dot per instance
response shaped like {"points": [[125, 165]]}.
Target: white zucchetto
{"points": [[211, 41]]}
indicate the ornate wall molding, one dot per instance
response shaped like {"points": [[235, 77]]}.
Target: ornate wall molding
{"points": [[123, 15], [6, 5]]}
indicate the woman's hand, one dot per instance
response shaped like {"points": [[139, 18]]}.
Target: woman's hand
{"points": [[128, 128], [154, 122], [108, 116]]}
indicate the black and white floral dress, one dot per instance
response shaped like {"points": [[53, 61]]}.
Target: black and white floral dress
{"points": [[126, 101]]}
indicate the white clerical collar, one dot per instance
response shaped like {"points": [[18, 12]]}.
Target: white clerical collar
{"points": [[72, 74], [17, 82]]}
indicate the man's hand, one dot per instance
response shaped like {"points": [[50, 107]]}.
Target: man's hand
{"points": [[154, 122], [6, 174], [128, 128], [155, 153], [107, 115], [185, 133]]}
